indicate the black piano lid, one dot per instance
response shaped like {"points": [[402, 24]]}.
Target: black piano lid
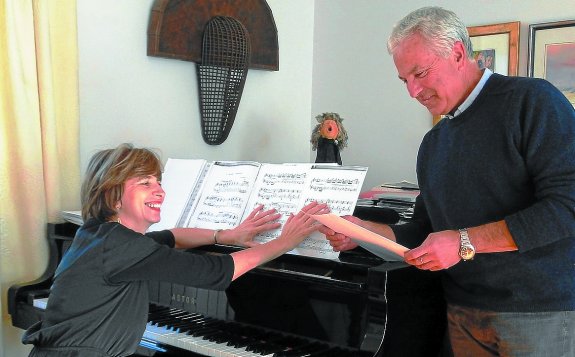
{"points": [[349, 272]]}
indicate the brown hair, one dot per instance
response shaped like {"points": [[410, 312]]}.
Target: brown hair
{"points": [[106, 174]]}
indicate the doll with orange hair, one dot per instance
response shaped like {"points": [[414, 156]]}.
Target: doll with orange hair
{"points": [[328, 138]]}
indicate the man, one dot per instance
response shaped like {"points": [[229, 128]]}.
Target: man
{"points": [[496, 213]]}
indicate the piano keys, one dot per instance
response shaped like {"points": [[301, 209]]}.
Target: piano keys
{"points": [[170, 328], [212, 337], [293, 306]]}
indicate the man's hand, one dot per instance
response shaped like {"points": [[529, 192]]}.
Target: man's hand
{"points": [[440, 250], [339, 241]]}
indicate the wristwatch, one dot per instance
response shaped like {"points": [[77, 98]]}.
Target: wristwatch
{"points": [[466, 249]]}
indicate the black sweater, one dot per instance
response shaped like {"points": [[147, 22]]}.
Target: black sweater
{"points": [[509, 156], [99, 299]]}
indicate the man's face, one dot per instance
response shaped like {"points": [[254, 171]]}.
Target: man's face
{"points": [[433, 80]]}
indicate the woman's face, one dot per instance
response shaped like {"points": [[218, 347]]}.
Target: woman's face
{"points": [[141, 203]]}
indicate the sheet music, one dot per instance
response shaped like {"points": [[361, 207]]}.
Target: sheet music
{"points": [[225, 193], [339, 188], [221, 194], [278, 186], [289, 187]]}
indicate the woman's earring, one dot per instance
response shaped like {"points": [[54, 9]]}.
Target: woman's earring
{"points": [[118, 206]]}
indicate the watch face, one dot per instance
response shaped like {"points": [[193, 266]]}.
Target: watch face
{"points": [[466, 252]]}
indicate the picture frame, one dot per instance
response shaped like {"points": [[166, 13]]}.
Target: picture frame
{"points": [[499, 42], [551, 48], [503, 39]]}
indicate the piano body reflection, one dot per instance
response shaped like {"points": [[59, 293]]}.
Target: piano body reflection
{"points": [[292, 306]]}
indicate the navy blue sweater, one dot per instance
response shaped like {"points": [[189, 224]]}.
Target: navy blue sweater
{"points": [[509, 156]]}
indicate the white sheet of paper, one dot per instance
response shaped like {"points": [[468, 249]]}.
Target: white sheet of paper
{"points": [[280, 186], [373, 242], [225, 194]]}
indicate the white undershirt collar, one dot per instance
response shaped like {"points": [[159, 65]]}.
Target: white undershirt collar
{"points": [[474, 93]]}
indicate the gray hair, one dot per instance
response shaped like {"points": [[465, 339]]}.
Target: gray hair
{"points": [[439, 27]]}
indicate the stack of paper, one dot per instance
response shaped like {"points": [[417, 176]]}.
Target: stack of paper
{"points": [[399, 196]]}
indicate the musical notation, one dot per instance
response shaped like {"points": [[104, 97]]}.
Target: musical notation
{"points": [[283, 208], [315, 245], [275, 194], [217, 217], [225, 193], [284, 178], [226, 188], [334, 184], [219, 201], [231, 185], [335, 206]]}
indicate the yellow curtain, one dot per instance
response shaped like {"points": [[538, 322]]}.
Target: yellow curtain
{"points": [[39, 138]]}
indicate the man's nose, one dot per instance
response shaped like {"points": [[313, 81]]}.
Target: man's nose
{"points": [[414, 88]]}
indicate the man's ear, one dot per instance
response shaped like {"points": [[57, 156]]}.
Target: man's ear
{"points": [[459, 52]]}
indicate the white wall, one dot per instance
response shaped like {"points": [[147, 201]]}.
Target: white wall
{"points": [[354, 76], [126, 96]]}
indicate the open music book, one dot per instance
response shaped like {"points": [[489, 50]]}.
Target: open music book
{"points": [[221, 194], [377, 244]]}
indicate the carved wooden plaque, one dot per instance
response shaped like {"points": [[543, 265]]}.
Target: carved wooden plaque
{"points": [[176, 29]]}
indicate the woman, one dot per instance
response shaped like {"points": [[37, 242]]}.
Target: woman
{"points": [[99, 299]]}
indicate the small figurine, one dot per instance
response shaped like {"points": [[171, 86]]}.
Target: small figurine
{"points": [[328, 137]]}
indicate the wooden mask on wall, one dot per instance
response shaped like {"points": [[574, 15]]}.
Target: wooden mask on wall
{"points": [[224, 38]]}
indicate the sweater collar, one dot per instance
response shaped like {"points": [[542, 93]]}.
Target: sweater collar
{"points": [[472, 96]]}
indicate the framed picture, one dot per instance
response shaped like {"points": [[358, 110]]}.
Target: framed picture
{"points": [[552, 53], [495, 47]]}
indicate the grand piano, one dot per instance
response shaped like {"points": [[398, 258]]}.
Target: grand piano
{"points": [[358, 306]]}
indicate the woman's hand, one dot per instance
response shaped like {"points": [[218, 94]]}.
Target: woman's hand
{"points": [[297, 227], [258, 221], [302, 224]]}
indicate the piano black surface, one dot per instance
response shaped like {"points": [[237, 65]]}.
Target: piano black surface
{"points": [[351, 305]]}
